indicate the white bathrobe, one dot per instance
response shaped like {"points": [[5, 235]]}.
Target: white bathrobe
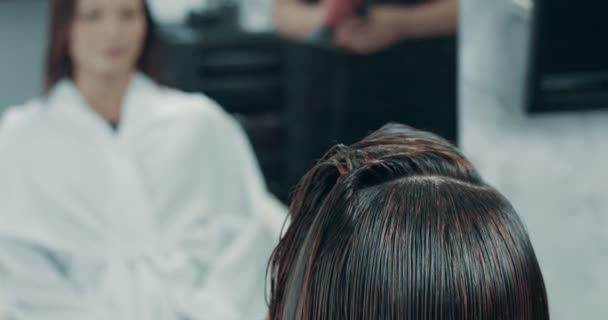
{"points": [[165, 218]]}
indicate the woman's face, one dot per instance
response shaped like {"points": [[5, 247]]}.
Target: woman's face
{"points": [[107, 36]]}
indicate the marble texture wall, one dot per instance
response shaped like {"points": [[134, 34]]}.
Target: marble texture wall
{"points": [[554, 167]]}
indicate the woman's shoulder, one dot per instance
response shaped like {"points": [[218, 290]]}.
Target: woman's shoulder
{"points": [[18, 119], [194, 106], [19, 126]]}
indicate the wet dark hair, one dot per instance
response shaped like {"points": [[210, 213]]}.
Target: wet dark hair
{"points": [[401, 226], [58, 61]]}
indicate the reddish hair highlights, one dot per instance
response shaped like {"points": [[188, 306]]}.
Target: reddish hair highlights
{"points": [[401, 226]]}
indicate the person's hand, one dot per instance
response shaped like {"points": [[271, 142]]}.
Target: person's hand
{"points": [[337, 11], [378, 30]]}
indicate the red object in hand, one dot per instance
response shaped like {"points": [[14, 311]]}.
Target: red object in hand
{"points": [[338, 10]]}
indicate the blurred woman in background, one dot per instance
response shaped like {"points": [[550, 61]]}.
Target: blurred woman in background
{"points": [[400, 226], [124, 199]]}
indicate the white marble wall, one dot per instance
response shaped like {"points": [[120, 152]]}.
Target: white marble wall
{"points": [[554, 168]]}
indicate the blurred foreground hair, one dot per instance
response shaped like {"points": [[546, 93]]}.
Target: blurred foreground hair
{"points": [[401, 226]]}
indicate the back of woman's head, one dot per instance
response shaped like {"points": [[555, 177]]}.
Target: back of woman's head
{"points": [[400, 226]]}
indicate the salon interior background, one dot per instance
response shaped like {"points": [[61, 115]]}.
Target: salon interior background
{"points": [[552, 166]]}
